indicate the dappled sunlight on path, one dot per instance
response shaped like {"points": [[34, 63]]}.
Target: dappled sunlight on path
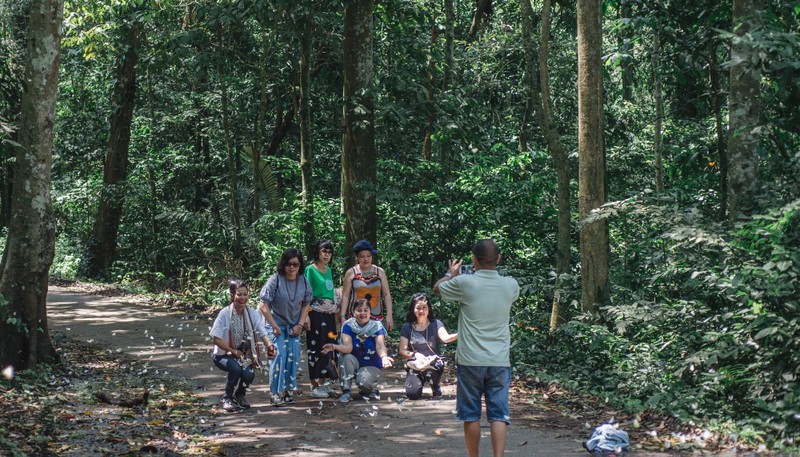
{"points": [[178, 345]]}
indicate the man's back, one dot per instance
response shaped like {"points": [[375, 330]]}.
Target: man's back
{"points": [[483, 333]]}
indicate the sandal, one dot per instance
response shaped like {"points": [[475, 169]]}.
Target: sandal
{"points": [[276, 400]]}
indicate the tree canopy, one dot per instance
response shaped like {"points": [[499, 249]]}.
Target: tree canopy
{"points": [[256, 125]]}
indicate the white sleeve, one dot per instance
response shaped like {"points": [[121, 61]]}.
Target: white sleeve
{"points": [[221, 325]]}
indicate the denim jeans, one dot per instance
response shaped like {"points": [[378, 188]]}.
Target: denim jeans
{"points": [[477, 382], [415, 380], [239, 379]]}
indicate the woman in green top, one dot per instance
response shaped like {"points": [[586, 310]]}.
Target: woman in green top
{"points": [[321, 323]]}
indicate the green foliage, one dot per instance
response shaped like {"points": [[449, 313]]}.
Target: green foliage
{"points": [[702, 322], [727, 354], [428, 222], [67, 259]]}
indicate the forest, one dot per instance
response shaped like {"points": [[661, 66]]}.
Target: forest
{"points": [[636, 161]]}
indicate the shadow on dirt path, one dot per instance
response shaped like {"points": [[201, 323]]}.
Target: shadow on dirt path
{"points": [[179, 346]]}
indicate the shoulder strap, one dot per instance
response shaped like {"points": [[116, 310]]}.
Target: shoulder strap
{"points": [[277, 283], [230, 326], [255, 346]]}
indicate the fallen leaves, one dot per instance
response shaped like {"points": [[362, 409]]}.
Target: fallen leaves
{"points": [[62, 416]]}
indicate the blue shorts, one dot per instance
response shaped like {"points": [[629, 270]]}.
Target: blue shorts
{"points": [[476, 382]]}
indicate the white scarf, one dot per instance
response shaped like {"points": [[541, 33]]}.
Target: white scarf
{"points": [[367, 330]]}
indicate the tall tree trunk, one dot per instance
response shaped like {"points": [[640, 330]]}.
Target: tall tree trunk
{"points": [[539, 83], [447, 72], [591, 174], [284, 122], [427, 143], [226, 134], [306, 155], [744, 109], [30, 244], [533, 99], [201, 147], [625, 36], [102, 248], [261, 124], [558, 152], [359, 166], [722, 154], [449, 44], [658, 93], [151, 177]]}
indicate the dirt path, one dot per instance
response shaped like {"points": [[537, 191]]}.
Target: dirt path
{"points": [[179, 345]]}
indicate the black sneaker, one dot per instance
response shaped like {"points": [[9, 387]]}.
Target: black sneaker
{"points": [[241, 401], [287, 398], [276, 400], [436, 392]]}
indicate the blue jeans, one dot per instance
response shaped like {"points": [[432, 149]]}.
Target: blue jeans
{"points": [[415, 380], [477, 382], [239, 378], [283, 368]]}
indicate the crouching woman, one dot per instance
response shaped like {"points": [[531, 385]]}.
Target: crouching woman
{"points": [[364, 353], [419, 342], [235, 332]]}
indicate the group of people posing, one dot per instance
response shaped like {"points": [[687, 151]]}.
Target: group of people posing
{"points": [[346, 339]]}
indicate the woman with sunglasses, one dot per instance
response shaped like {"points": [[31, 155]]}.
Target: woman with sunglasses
{"points": [[285, 300]]}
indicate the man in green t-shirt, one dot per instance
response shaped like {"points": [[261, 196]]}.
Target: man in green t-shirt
{"points": [[484, 342]]}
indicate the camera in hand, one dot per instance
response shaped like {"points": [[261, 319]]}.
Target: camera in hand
{"points": [[244, 347], [466, 270]]}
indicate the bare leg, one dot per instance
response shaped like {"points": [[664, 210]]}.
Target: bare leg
{"points": [[472, 434], [498, 429]]}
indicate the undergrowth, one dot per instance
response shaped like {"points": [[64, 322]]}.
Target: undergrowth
{"points": [[703, 324]]}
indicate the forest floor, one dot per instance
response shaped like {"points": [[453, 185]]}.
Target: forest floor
{"points": [[117, 346]]}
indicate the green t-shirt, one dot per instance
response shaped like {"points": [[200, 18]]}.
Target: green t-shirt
{"points": [[321, 284], [484, 337]]}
